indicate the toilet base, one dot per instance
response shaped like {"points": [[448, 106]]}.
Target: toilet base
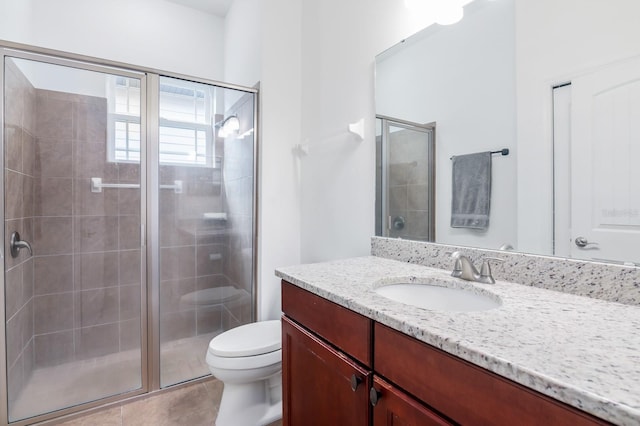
{"points": [[250, 404]]}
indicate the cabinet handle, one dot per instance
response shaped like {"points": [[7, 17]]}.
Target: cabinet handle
{"points": [[355, 382], [374, 396]]}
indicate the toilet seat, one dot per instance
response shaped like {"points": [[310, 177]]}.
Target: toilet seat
{"points": [[248, 340], [244, 362]]}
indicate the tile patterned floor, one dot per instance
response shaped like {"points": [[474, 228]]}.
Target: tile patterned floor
{"points": [[193, 405]]}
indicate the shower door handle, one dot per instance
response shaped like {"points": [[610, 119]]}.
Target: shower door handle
{"points": [[16, 244]]}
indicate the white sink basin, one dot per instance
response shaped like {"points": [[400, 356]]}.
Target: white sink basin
{"points": [[438, 298]]}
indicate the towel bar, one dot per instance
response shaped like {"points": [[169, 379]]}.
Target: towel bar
{"points": [[503, 151], [97, 185]]}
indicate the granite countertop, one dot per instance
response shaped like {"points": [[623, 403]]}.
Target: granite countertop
{"points": [[582, 351]]}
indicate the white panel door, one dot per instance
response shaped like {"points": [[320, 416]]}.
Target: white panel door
{"points": [[605, 164]]}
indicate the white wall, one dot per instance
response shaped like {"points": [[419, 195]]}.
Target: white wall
{"points": [[576, 36], [463, 78], [340, 40], [264, 43], [150, 33]]}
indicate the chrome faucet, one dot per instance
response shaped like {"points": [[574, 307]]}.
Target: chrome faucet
{"points": [[464, 268]]}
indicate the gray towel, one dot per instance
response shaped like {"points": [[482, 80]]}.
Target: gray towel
{"points": [[471, 191]]}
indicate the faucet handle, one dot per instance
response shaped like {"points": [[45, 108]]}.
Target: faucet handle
{"points": [[457, 266], [485, 270]]}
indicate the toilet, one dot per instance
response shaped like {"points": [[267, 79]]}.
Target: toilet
{"points": [[248, 360]]}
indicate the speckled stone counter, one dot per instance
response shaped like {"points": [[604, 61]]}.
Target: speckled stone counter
{"points": [[579, 350], [606, 281]]}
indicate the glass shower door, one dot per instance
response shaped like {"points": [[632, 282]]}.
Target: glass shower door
{"points": [[72, 213], [206, 149], [405, 180]]}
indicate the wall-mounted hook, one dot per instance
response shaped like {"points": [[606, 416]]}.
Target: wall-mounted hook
{"points": [[357, 129], [301, 150]]}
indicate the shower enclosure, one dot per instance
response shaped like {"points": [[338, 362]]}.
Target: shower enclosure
{"points": [[405, 179], [129, 229]]}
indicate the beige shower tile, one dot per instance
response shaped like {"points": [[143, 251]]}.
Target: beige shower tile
{"points": [[208, 319], [53, 274], [90, 160], [130, 335], [54, 117], [171, 292], [52, 235], [28, 153], [13, 290], [177, 325], [96, 233], [13, 147], [53, 158], [97, 341], [53, 349], [129, 172], [130, 299], [96, 270], [417, 197], [90, 120], [95, 307], [209, 259], [53, 196], [129, 201], [177, 262], [130, 267], [129, 228], [88, 203], [14, 204], [53, 312]]}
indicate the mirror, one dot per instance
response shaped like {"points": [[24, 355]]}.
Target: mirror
{"points": [[557, 83]]}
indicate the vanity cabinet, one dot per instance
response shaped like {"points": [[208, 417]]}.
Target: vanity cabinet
{"points": [[393, 407], [340, 367], [322, 385]]}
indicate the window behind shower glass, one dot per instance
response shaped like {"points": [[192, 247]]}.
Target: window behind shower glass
{"points": [[186, 135]]}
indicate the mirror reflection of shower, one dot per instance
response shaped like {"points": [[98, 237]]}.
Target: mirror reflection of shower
{"points": [[405, 170]]}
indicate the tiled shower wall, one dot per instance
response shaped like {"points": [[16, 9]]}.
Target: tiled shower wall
{"points": [[19, 138], [238, 177], [198, 253], [408, 184], [87, 262], [191, 250], [80, 296]]}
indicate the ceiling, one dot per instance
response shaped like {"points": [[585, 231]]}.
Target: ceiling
{"points": [[214, 7]]}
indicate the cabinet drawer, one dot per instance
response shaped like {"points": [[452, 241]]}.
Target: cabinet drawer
{"points": [[345, 329], [462, 391]]}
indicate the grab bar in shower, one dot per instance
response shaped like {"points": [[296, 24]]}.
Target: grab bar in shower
{"points": [[97, 185]]}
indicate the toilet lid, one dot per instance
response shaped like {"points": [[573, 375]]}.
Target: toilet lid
{"points": [[247, 340], [210, 296]]}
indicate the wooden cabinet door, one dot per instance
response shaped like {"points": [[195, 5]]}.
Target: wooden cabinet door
{"points": [[318, 380], [395, 408]]}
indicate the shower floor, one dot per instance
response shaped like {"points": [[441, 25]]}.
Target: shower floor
{"points": [[74, 383]]}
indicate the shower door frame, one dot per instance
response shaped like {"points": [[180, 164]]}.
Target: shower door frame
{"points": [[43, 56], [149, 217], [382, 228]]}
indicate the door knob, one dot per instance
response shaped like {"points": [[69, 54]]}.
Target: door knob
{"points": [[583, 242], [355, 382], [374, 396], [16, 244]]}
